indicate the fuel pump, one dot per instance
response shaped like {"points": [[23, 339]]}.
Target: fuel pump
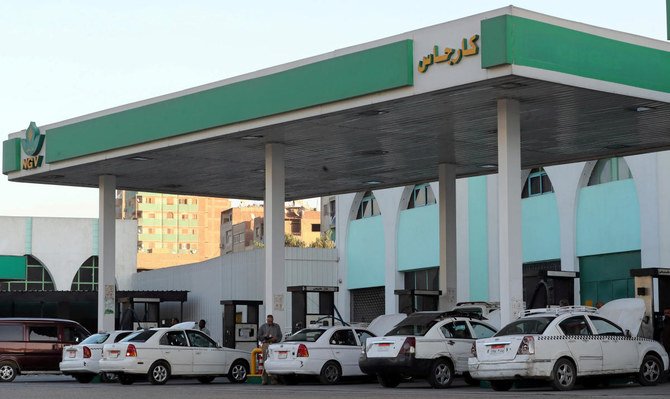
{"points": [[653, 286], [240, 324], [310, 304]]}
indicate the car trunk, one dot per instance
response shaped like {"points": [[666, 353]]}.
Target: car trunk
{"points": [[385, 346], [498, 348]]}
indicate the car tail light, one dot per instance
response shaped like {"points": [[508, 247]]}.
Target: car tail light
{"points": [[87, 352], [473, 349], [408, 347], [131, 351], [302, 351], [527, 346]]}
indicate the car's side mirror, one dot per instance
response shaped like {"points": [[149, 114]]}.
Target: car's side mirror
{"points": [[628, 334]]}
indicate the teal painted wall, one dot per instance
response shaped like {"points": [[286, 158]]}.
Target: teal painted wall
{"points": [[478, 251], [607, 277], [365, 253], [608, 218], [540, 229], [418, 238]]}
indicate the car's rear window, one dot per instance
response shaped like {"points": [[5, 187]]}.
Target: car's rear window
{"points": [[143, 336], [531, 325], [306, 335], [96, 339], [411, 329]]}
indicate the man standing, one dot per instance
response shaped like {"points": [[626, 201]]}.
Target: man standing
{"points": [[201, 326], [269, 333]]}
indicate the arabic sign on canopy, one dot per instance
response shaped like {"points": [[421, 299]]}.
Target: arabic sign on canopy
{"points": [[450, 55]]}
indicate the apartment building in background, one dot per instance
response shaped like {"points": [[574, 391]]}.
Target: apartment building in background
{"points": [[172, 229]]}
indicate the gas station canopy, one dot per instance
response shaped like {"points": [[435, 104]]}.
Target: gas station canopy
{"points": [[380, 114]]}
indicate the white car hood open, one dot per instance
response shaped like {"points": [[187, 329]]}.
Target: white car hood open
{"points": [[384, 323], [627, 313]]}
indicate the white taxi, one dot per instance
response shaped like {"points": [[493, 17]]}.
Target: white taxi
{"points": [[564, 344], [329, 353], [159, 353], [430, 345], [82, 360]]}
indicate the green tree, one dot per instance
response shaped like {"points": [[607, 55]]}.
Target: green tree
{"points": [[292, 241], [323, 242]]}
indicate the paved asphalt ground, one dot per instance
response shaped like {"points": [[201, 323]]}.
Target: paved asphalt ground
{"points": [[61, 387]]}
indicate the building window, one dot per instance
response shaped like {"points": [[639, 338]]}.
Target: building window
{"points": [[368, 207], [296, 227], [169, 200], [182, 201], [316, 227], [609, 170], [194, 216], [422, 195], [139, 214], [86, 278], [139, 199], [150, 200], [184, 216], [37, 278], [229, 237], [170, 215], [194, 201], [538, 183]]}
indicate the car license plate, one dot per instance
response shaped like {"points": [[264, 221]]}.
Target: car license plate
{"points": [[72, 353], [384, 347], [282, 354], [113, 353], [497, 349]]}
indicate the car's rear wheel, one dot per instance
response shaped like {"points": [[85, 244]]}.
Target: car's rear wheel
{"points": [[238, 371], [650, 371], [501, 385], [159, 373], [84, 378], [564, 375], [8, 371], [388, 380], [206, 379], [441, 373], [126, 379], [330, 373], [109, 377]]}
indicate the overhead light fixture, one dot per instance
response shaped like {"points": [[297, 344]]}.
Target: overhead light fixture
{"points": [[642, 109], [488, 166], [140, 158], [252, 137], [374, 152], [373, 112], [259, 170], [372, 182], [509, 85]]}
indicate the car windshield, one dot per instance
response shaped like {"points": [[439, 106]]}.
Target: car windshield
{"points": [[412, 329], [142, 336], [96, 339], [306, 335], [530, 325]]}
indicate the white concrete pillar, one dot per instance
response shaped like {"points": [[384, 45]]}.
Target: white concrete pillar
{"points": [[447, 222], [389, 205], [509, 210], [493, 241], [107, 253], [275, 287]]}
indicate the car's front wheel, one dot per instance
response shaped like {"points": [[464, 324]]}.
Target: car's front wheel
{"points": [[388, 380], [650, 371], [441, 373], [238, 371], [8, 371], [84, 378], [564, 375], [330, 373], [159, 373]]}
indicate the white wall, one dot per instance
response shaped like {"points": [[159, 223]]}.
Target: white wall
{"points": [[235, 276]]}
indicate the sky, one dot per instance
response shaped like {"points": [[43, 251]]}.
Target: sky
{"points": [[61, 59]]}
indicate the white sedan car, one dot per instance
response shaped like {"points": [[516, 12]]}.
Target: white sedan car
{"points": [[82, 360], [563, 344], [160, 353], [329, 353]]}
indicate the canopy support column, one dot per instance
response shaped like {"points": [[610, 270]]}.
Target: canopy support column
{"points": [[447, 214], [509, 210], [275, 287], [107, 253]]}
